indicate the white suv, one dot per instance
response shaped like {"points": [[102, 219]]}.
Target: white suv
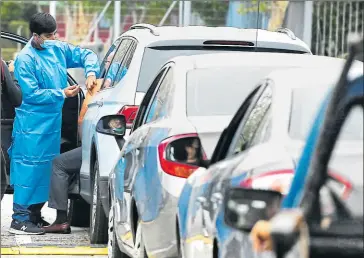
{"points": [[142, 51]]}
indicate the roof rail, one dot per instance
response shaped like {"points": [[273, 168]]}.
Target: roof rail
{"points": [[287, 32], [150, 27]]}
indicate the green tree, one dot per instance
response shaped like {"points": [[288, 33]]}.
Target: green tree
{"points": [[213, 12], [15, 14]]}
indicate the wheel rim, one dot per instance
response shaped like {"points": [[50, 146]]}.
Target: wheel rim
{"points": [[94, 204], [111, 232]]}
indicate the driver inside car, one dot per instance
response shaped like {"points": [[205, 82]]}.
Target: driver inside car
{"points": [[113, 73]]}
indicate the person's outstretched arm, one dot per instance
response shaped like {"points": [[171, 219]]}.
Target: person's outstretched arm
{"points": [[77, 57]]}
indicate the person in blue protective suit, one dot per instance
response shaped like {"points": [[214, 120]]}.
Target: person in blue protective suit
{"points": [[41, 70]]}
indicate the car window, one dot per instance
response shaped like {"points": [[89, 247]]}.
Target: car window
{"points": [[155, 57], [161, 104], [123, 70], [143, 108], [347, 160], [305, 102], [114, 65], [130, 55], [107, 59], [210, 93], [264, 131], [250, 124]]}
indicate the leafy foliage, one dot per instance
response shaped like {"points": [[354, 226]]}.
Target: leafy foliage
{"points": [[213, 12], [14, 14]]}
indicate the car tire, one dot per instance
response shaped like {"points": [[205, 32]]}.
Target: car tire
{"points": [[78, 213], [139, 243], [112, 244], [180, 253], [98, 219]]}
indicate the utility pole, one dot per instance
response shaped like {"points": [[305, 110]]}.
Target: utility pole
{"points": [[186, 13], [117, 13], [52, 8], [96, 23], [180, 14], [307, 22]]}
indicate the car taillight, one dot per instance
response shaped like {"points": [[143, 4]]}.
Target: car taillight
{"points": [[279, 180], [341, 184], [130, 113], [173, 154]]}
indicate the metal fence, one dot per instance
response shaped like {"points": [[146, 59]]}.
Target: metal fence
{"points": [[327, 27], [332, 21]]}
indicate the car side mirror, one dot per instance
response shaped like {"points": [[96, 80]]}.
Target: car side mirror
{"points": [[114, 125], [243, 207], [287, 227]]}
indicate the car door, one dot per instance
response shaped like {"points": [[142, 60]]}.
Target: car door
{"points": [[110, 102], [220, 174], [91, 116], [129, 162], [252, 131]]}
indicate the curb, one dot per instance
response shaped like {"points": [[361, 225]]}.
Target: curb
{"points": [[50, 250]]}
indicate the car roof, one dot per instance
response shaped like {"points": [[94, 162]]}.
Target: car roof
{"points": [[307, 77], [236, 59], [317, 80], [172, 35]]}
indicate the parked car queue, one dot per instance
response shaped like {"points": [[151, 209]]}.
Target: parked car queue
{"points": [[128, 69], [185, 147], [273, 122]]}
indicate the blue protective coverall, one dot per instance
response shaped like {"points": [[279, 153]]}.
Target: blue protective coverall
{"points": [[36, 137]]}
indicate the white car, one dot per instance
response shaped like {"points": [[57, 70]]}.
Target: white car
{"points": [[141, 52]]}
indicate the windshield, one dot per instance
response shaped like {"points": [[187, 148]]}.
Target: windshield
{"points": [[219, 91], [305, 104]]}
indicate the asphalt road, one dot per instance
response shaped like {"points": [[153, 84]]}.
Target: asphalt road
{"points": [[77, 241]]}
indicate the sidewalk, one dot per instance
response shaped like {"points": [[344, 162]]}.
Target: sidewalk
{"points": [[77, 242]]}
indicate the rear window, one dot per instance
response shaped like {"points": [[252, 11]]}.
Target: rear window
{"points": [[155, 58], [305, 105], [220, 91]]}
